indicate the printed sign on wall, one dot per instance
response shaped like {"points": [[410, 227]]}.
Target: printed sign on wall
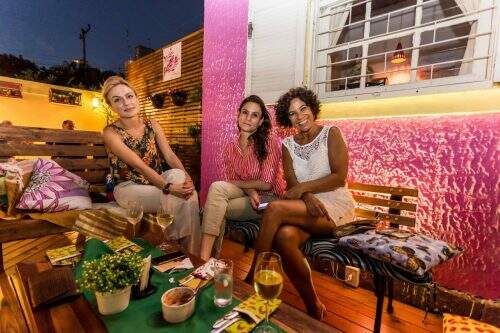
{"points": [[172, 62]]}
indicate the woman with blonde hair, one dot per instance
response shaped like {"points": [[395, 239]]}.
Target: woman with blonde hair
{"points": [[144, 167]]}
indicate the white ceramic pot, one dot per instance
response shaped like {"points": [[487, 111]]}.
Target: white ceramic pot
{"points": [[111, 303], [176, 312]]}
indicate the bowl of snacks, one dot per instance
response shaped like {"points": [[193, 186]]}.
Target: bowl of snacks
{"points": [[177, 304]]}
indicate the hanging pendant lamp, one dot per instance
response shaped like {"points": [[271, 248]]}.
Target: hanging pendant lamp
{"points": [[399, 56]]}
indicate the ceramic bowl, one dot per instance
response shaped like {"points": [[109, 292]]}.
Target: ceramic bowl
{"points": [[177, 304]]}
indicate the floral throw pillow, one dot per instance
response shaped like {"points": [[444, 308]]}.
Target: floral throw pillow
{"points": [[53, 189], [412, 252]]}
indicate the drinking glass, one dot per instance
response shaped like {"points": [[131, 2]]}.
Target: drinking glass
{"points": [[164, 218], [223, 282], [134, 211], [268, 283], [134, 215]]}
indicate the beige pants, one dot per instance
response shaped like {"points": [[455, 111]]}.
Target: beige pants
{"points": [[227, 201], [186, 212]]}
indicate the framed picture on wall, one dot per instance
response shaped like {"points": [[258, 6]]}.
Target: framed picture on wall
{"points": [[10, 89], [65, 97]]}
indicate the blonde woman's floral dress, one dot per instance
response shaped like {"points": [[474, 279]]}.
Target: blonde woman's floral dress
{"points": [[146, 148]]}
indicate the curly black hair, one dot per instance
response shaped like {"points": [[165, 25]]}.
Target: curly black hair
{"points": [[283, 104], [261, 135]]}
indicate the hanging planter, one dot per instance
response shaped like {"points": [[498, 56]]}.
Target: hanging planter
{"points": [[178, 96], [157, 100]]}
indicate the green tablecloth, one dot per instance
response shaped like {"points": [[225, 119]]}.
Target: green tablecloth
{"points": [[145, 315]]}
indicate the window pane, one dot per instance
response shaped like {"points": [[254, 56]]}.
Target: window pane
{"points": [[386, 69], [384, 6], [444, 52], [400, 20], [355, 27], [340, 74], [437, 10]]}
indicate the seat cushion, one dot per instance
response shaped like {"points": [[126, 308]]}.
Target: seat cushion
{"points": [[412, 252], [454, 323], [53, 189]]}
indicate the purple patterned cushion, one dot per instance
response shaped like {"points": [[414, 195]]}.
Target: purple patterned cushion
{"points": [[415, 253], [54, 189]]}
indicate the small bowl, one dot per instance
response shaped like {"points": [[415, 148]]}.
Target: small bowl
{"points": [[177, 304]]}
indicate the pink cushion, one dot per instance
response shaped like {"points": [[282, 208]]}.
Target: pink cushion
{"points": [[54, 189]]}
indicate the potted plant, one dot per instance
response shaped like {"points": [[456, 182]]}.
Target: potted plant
{"points": [[178, 96], [111, 277], [157, 100]]}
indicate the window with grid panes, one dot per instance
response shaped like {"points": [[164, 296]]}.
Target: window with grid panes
{"points": [[372, 46]]}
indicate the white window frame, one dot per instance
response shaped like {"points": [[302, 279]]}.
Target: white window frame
{"points": [[484, 52]]}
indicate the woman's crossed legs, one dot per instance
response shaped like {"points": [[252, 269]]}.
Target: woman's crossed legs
{"points": [[287, 225]]}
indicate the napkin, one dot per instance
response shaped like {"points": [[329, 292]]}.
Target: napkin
{"points": [[255, 308], [183, 263], [201, 276]]}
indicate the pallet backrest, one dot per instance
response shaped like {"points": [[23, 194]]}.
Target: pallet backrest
{"points": [[81, 152], [385, 203]]}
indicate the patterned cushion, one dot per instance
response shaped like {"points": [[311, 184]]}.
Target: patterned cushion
{"points": [[414, 253], [453, 323], [53, 189]]}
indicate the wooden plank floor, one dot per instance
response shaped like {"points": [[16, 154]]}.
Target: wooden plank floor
{"points": [[349, 309]]}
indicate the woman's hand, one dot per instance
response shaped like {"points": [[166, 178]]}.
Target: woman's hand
{"points": [[183, 191], [294, 193], [254, 198], [314, 206]]}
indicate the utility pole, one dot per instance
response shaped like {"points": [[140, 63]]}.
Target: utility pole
{"points": [[83, 34]]}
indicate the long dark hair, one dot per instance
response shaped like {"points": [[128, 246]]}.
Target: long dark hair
{"points": [[261, 135]]}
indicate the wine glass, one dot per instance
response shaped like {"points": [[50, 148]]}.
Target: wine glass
{"points": [[268, 283], [134, 211], [164, 218]]}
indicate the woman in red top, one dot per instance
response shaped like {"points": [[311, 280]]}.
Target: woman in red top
{"points": [[253, 174]]}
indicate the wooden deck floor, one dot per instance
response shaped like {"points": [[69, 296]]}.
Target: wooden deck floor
{"points": [[350, 310]]}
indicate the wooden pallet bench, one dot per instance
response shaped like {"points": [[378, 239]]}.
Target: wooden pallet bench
{"points": [[81, 152]]}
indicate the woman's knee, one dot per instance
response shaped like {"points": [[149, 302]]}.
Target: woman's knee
{"points": [[174, 176], [277, 207], [287, 236], [218, 188]]}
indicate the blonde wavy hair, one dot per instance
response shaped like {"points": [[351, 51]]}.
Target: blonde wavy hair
{"points": [[112, 82]]}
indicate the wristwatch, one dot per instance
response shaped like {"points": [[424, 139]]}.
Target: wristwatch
{"points": [[166, 188]]}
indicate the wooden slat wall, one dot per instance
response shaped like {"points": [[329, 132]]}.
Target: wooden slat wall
{"points": [[145, 74]]}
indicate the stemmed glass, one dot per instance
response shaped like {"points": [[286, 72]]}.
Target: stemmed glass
{"points": [[164, 218], [134, 213], [268, 283]]}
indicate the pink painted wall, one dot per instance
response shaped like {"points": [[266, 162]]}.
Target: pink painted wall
{"points": [[453, 160], [224, 53]]}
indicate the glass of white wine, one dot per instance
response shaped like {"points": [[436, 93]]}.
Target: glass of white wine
{"points": [[134, 213], [268, 283], [164, 219]]}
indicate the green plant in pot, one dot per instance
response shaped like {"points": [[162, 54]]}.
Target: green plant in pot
{"points": [[178, 96], [111, 278]]}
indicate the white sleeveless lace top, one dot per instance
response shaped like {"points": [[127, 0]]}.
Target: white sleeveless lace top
{"points": [[310, 162]]}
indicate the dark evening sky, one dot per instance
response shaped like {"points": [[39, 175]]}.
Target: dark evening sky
{"points": [[46, 31]]}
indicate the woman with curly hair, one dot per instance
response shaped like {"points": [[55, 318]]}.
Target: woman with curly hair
{"points": [[252, 175], [315, 164]]}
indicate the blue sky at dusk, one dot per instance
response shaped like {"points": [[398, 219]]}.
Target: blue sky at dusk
{"points": [[47, 31]]}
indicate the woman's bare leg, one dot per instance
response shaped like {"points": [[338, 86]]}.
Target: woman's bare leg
{"points": [[287, 242], [290, 212]]}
